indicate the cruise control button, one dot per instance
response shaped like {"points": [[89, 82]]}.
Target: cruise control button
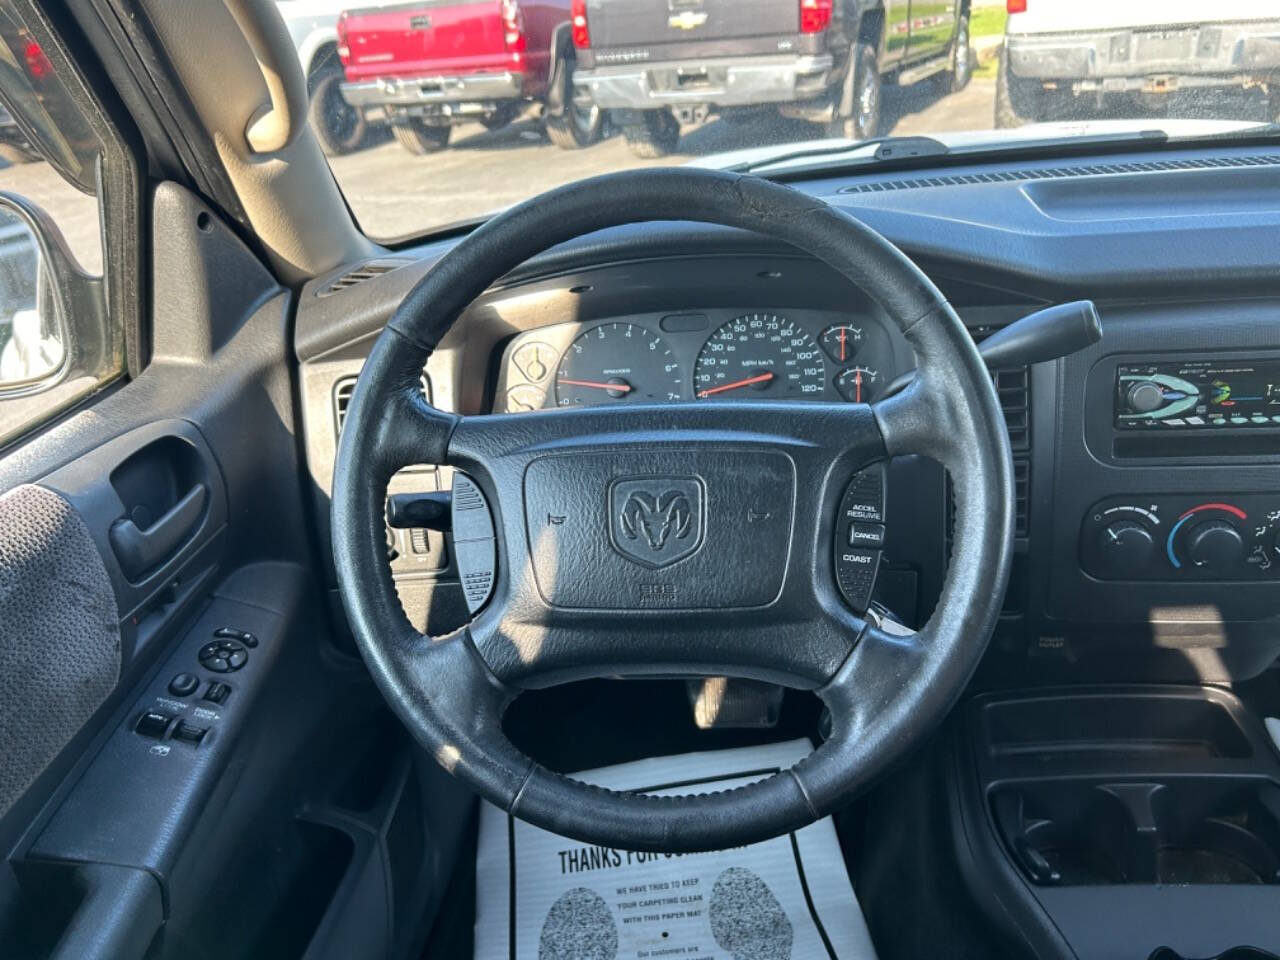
{"points": [[856, 575], [866, 535]]}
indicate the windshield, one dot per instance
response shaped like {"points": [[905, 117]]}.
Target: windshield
{"points": [[441, 111]]}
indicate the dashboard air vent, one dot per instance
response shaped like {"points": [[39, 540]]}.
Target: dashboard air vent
{"points": [[367, 271], [1059, 173], [342, 399], [343, 389]]}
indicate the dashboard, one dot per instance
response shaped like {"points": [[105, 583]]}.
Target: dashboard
{"points": [[1147, 498], [737, 353]]}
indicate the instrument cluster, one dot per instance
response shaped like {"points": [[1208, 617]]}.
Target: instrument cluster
{"points": [[729, 354]]}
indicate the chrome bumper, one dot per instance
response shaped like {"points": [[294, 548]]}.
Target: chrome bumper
{"points": [[725, 83], [409, 91], [1211, 54]]}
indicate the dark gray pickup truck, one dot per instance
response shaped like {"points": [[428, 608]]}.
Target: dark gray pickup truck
{"points": [[658, 63]]}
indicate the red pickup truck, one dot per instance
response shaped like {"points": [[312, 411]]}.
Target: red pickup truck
{"points": [[432, 64]]}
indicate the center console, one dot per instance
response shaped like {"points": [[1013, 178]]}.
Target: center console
{"points": [[1124, 822]]}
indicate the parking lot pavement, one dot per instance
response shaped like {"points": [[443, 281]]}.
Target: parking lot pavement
{"points": [[394, 193]]}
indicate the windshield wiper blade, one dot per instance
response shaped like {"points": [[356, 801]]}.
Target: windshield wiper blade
{"points": [[887, 148]]}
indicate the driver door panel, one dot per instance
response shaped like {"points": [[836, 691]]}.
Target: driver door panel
{"points": [[176, 513]]}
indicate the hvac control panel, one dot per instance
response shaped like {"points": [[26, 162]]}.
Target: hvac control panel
{"points": [[1181, 537]]}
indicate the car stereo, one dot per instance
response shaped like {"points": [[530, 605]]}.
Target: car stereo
{"points": [[1198, 395]]}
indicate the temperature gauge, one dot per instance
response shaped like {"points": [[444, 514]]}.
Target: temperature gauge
{"points": [[857, 384], [524, 398], [841, 341]]}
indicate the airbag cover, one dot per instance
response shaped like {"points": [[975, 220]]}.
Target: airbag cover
{"points": [[662, 529]]}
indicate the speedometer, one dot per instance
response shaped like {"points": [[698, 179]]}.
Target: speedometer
{"points": [[760, 356]]}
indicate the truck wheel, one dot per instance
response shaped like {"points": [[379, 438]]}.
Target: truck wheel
{"points": [[864, 120], [340, 127], [420, 139], [656, 135], [1016, 102], [961, 72], [571, 124]]}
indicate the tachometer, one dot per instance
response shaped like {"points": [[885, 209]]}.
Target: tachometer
{"points": [[617, 362], [760, 356]]}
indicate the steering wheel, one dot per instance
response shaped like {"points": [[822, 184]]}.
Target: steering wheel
{"points": [[748, 494]]}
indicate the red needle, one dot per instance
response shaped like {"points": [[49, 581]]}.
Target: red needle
{"points": [[857, 383], [758, 378], [620, 387], [842, 344]]}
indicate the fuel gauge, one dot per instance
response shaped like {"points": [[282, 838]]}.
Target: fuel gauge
{"points": [[857, 384], [841, 341]]}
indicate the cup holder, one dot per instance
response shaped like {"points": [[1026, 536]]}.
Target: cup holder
{"points": [[1198, 830]]}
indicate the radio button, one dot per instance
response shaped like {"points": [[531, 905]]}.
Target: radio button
{"points": [[1144, 397]]}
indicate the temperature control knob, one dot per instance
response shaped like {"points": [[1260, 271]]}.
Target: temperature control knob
{"points": [[1144, 397], [1126, 547], [1216, 545]]}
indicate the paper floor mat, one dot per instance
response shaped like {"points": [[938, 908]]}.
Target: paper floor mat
{"points": [[540, 896]]}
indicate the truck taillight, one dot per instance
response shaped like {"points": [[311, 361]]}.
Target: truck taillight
{"points": [[1015, 6], [344, 51], [815, 15], [513, 27], [38, 64], [581, 32]]}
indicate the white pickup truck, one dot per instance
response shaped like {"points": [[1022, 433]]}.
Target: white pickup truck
{"points": [[1078, 59]]}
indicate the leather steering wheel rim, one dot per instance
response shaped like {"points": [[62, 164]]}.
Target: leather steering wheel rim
{"points": [[884, 691]]}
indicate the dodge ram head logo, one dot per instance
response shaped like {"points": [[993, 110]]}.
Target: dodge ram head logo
{"points": [[656, 521]]}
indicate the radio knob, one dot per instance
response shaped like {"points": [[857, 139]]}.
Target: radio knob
{"points": [[1215, 544], [1144, 397], [1126, 546]]}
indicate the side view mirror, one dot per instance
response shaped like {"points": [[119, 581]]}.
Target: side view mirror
{"points": [[51, 311]]}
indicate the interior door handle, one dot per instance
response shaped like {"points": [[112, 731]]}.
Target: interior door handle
{"points": [[139, 550]]}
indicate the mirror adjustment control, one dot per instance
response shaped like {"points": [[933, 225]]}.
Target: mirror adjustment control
{"points": [[223, 656], [859, 534]]}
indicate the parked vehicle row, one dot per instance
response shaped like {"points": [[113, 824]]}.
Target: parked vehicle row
{"points": [[426, 66], [650, 67]]}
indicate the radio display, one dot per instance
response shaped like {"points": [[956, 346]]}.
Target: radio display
{"points": [[1198, 394]]}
